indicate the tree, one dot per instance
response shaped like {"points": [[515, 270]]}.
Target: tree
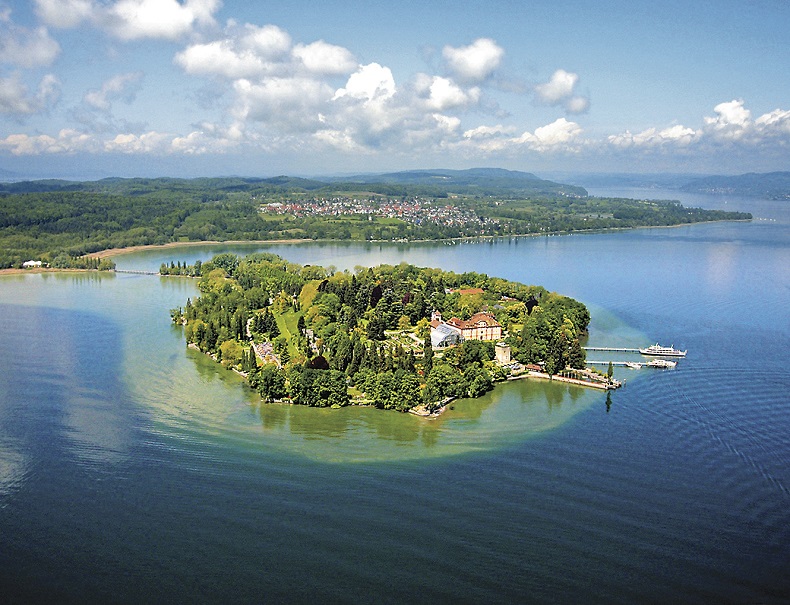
{"points": [[271, 382], [427, 360], [610, 371]]}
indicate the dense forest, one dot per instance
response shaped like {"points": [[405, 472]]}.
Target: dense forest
{"points": [[44, 220], [323, 338]]}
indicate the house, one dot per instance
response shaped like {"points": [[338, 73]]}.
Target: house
{"points": [[481, 326], [30, 264]]}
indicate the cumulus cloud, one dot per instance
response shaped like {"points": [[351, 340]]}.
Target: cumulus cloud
{"points": [[475, 62], [323, 58], [122, 86], [776, 122], [369, 82], [731, 122], [731, 125], [256, 52], [149, 142], [131, 19], [65, 13], [676, 136], [283, 104], [246, 52], [560, 90], [442, 93], [558, 136], [16, 99], [26, 47], [67, 141]]}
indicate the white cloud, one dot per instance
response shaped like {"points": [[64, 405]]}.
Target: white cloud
{"points": [[323, 58], [281, 104], [149, 142], [16, 100], [67, 141], [675, 136], [560, 133], [560, 90], [732, 121], [220, 59], [443, 93], [369, 82], [131, 19], [122, 86], [65, 13], [26, 47], [489, 132], [256, 52], [559, 136], [776, 122], [474, 62]]}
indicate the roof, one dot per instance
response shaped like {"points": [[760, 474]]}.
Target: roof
{"points": [[470, 291], [481, 317]]}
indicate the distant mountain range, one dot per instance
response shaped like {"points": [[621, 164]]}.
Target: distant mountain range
{"points": [[433, 183], [483, 181], [771, 185]]}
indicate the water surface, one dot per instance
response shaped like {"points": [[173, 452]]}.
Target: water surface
{"points": [[133, 469]]}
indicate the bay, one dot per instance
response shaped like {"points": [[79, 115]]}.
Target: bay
{"points": [[132, 469]]}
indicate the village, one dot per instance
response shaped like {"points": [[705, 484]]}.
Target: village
{"points": [[416, 210]]}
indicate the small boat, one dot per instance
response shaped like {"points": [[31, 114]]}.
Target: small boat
{"points": [[658, 350], [634, 365], [661, 363]]}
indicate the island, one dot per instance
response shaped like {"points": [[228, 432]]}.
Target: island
{"points": [[399, 337]]}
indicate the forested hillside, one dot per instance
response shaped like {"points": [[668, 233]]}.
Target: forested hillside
{"points": [[42, 220]]}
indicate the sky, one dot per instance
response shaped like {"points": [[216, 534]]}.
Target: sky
{"points": [[94, 88]]}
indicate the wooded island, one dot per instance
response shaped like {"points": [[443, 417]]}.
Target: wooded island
{"points": [[319, 337]]}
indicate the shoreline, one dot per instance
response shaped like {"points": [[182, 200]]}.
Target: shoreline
{"points": [[110, 252]]}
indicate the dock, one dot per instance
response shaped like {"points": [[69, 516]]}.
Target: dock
{"points": [[137, 272], [606, 363], [611, 349]]}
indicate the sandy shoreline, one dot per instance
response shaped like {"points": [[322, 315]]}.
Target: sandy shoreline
{"points": [[119, 251], [111, 252]]}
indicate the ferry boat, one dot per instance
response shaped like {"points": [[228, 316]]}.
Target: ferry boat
{"points": [[658, 350], [661, 363]]}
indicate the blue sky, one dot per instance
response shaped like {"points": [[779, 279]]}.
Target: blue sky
{"points": [[205, 87]]}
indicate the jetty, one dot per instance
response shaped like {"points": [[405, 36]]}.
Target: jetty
{"points": [[611, 349], [137, 272]]}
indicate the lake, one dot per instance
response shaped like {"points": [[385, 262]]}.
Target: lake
{"points": [[135, 470]]}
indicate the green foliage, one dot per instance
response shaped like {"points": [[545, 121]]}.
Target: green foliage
{"points": [[46, 218], [311, 330]]}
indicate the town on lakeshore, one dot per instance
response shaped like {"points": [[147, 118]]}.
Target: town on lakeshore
{"points": [[398, 337]]}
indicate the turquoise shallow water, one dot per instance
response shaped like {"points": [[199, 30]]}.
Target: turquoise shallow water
{"points": [[134, 470]]}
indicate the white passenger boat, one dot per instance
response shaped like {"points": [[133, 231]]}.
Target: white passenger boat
{"points": [[659, 351], [661, 363]]}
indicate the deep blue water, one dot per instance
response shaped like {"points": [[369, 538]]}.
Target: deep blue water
{"points": [[132, 470]]}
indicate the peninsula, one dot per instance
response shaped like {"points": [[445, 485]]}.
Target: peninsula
{"points": [[59, 222], [396, 337]]}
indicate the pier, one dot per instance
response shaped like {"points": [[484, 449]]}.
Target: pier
{"points": [[611, 349], [137, 272], [606, 363]]}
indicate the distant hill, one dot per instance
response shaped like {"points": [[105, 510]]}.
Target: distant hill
{"points": [[435, 183], [771, 185], [474, 181]]}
